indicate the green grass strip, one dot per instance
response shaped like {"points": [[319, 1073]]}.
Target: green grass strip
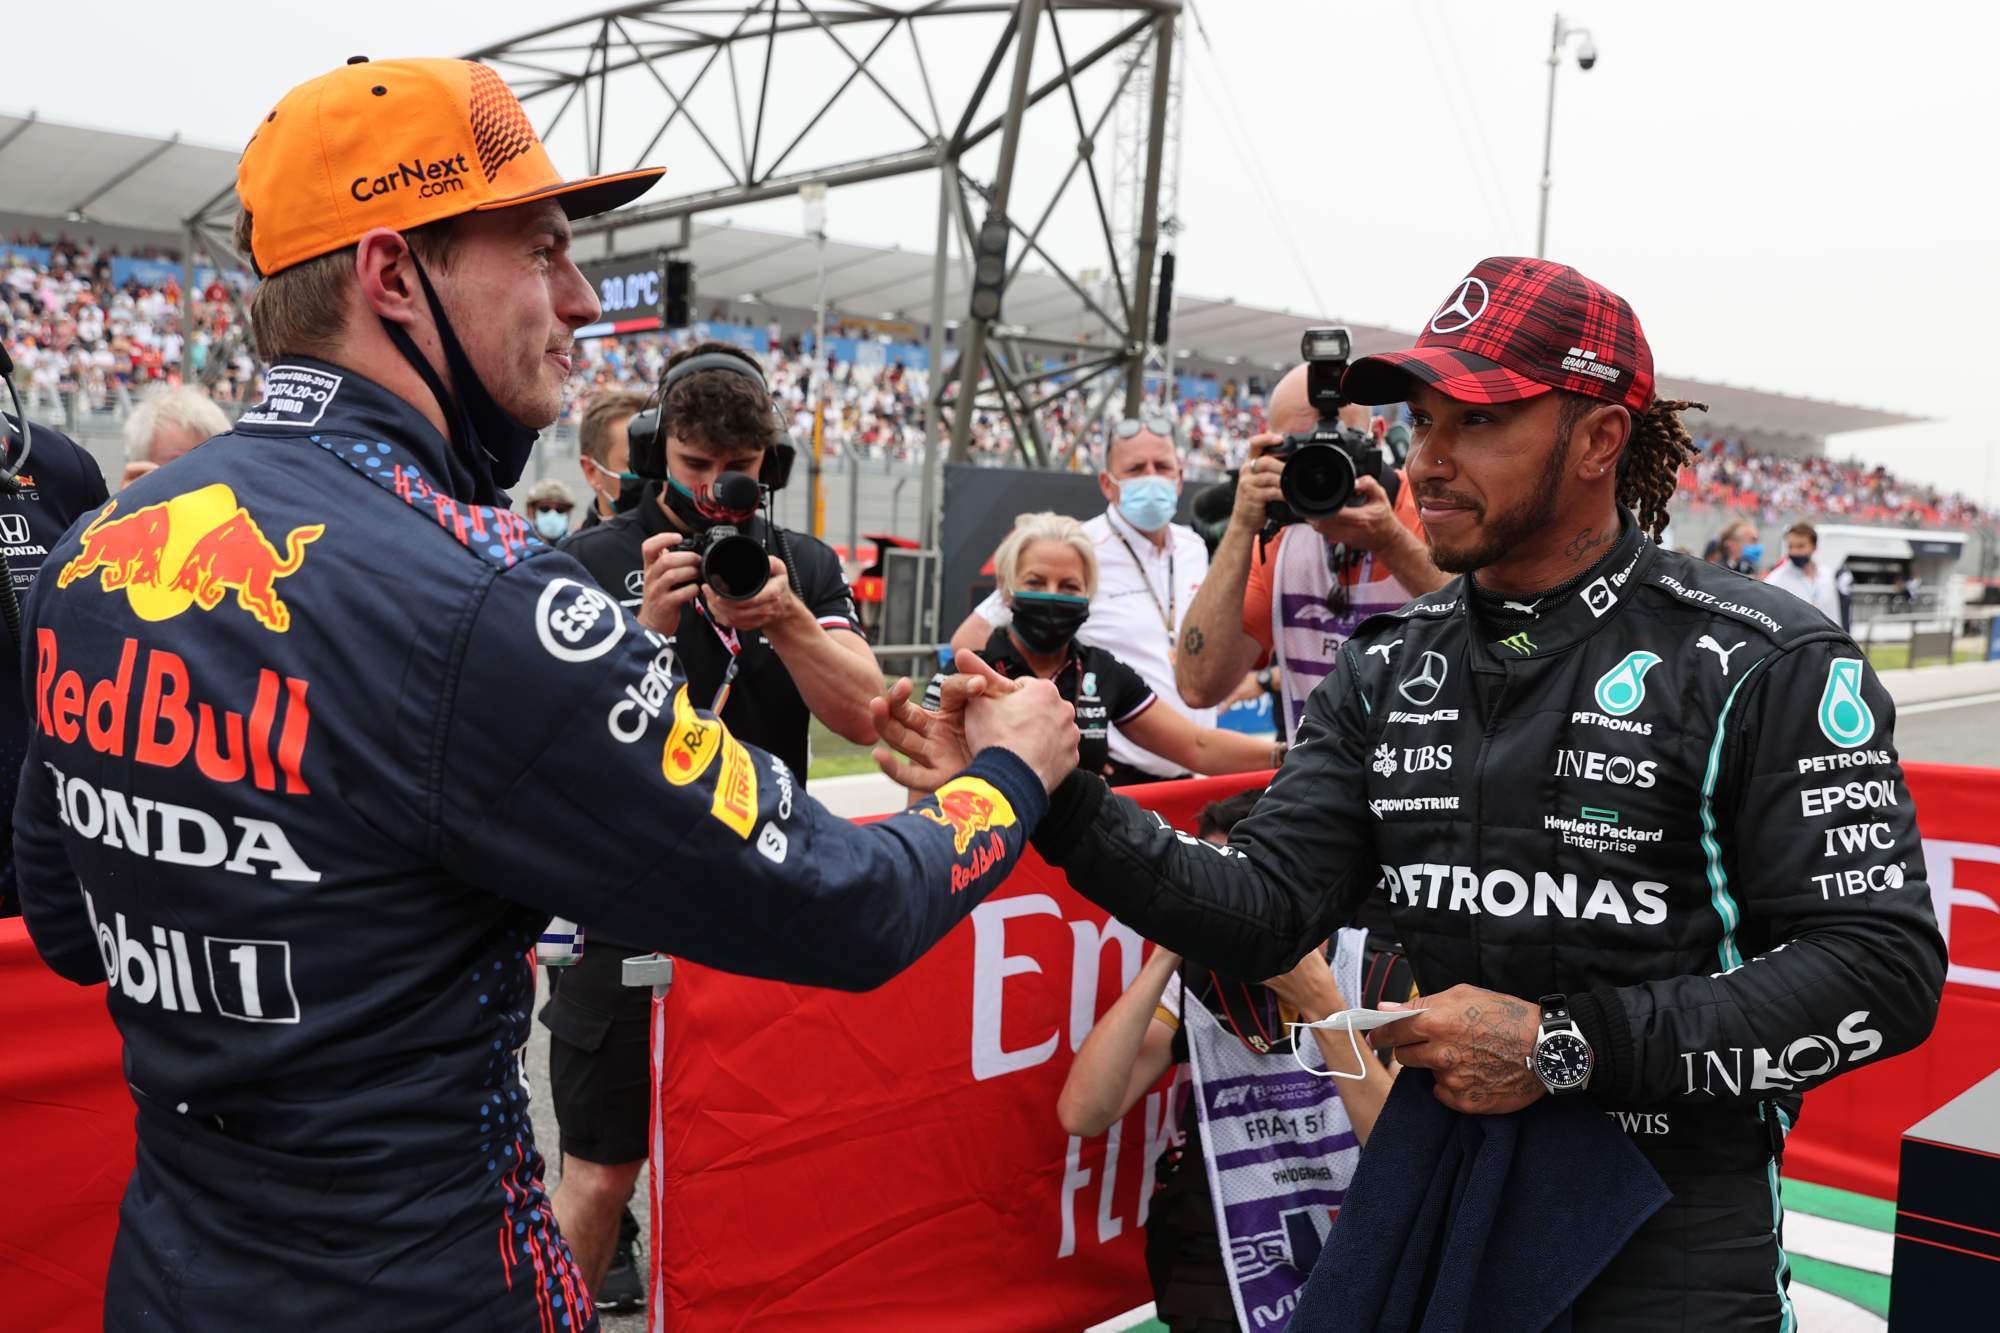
{"points": [[1870, 1291], [1837, 1205]]}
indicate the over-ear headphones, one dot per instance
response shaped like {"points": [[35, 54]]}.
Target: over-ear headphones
{"points": [[647, 439]]}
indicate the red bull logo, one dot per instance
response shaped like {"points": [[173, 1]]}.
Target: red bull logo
{"points": [[210, 543], [153, 708], [969, 807]]}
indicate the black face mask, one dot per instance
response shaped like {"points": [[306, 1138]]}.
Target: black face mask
{"points": [[488, 440], [1045, 621], [631, 489]]}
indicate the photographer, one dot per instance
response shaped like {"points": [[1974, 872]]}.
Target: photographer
{"points": [[1295, 598], [770, 662]]}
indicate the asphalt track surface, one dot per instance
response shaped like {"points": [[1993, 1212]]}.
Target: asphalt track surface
{"points": [[1949, 732]]}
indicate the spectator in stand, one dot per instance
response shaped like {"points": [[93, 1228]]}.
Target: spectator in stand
{"points": [[1802, 576], [604, 454], [1151, 1028], [166, 424], [1296, 600], [1150, 569]]}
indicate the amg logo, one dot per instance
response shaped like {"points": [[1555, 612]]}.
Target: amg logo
{"points": [[1425, 719]]}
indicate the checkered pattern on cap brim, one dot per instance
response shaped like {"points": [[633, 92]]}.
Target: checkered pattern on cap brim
{"points": [[1535, 313]]}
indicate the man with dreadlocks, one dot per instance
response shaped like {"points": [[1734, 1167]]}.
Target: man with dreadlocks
{"points": [[1639, 820]]}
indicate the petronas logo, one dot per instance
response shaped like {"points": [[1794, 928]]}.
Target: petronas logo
{"points": [[1520, 643], [1623, 688], [1843, 714]]}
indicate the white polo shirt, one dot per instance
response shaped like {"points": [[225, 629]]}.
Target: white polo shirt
{"points": [[1141, 588], [1814, 586]]}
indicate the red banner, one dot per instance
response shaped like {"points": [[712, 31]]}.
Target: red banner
{"points": [[65, 1111], [1850, 1130], [897, 1153], [893, 1160]]}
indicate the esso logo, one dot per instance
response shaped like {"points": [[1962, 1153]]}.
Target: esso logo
{"points": [[577, 622]]}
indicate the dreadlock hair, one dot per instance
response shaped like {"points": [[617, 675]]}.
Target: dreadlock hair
{"points": [[1649, 470]]}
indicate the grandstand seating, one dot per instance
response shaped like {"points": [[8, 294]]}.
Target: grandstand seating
{"points": [[89, 330]]}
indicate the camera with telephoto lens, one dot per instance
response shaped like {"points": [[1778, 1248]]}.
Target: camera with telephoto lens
{"points": [[1323, 464], [734, 565]]}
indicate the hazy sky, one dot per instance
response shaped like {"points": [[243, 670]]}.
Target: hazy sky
{"points": [[1797, 198]]}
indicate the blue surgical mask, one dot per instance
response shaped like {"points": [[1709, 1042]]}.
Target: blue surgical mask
{"points": [[1148, 503], [1753, 552], [552, 524]]}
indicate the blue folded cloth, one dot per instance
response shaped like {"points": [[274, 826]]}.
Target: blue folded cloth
{"points": [[1487, 1222]]}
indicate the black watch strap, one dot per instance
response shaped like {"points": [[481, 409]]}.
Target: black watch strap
{"points": [[1555, 1011]]}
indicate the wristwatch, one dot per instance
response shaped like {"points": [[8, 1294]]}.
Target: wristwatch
{"points": [[1562, 1059]]}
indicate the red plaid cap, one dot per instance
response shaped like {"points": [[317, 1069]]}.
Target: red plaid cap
{"points": [[1514, 328]]}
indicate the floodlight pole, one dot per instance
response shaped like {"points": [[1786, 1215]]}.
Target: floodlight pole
{"points": [[1138, 322], [972, 347]]}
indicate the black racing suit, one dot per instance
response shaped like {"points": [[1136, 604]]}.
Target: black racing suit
{"points": [[318, 727], [1674, 798]]}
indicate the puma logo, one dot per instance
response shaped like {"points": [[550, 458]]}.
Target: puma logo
{"points": [[1383, 648], [1720, 655], [1525, 608]]}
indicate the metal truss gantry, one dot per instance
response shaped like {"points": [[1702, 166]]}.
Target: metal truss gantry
{"points": [[703, 70]]}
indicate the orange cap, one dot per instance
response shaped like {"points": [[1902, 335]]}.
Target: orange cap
{"points": [[399, 143]]}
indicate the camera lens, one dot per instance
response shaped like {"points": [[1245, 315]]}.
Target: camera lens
{"points": [[735, 566], [1318, 480]]}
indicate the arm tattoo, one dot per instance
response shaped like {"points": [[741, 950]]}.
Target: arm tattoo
{"points": [[1584, 542], [1191, 641]]}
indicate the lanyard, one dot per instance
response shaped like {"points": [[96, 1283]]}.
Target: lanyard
{"points": [[734, 643], [1166, 611]]}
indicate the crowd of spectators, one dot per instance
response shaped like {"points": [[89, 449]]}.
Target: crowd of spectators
{"points": [[72, 329], [1729, 475]]}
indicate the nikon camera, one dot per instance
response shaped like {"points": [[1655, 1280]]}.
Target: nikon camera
{"points": [[1322, 464]]}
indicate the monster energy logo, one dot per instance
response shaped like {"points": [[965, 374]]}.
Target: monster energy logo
{"points": [[1520, 643]]}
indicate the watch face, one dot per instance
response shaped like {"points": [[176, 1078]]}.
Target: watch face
{"points": [[1562, 1059]]}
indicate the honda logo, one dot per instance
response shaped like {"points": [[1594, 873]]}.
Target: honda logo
{"points": [[14, 529]]}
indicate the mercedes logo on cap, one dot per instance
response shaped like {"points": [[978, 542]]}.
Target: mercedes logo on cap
{"points": [[1467, 303], [1422, 688]]}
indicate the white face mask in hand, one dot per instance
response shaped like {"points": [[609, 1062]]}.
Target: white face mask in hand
{"points": [[1355, 1021]]}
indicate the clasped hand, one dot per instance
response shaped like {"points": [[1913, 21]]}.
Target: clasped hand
{"points": [[978, 708]]}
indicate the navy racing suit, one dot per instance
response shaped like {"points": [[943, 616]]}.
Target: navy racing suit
{"points": [[1673, 797], [319, 727]]}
